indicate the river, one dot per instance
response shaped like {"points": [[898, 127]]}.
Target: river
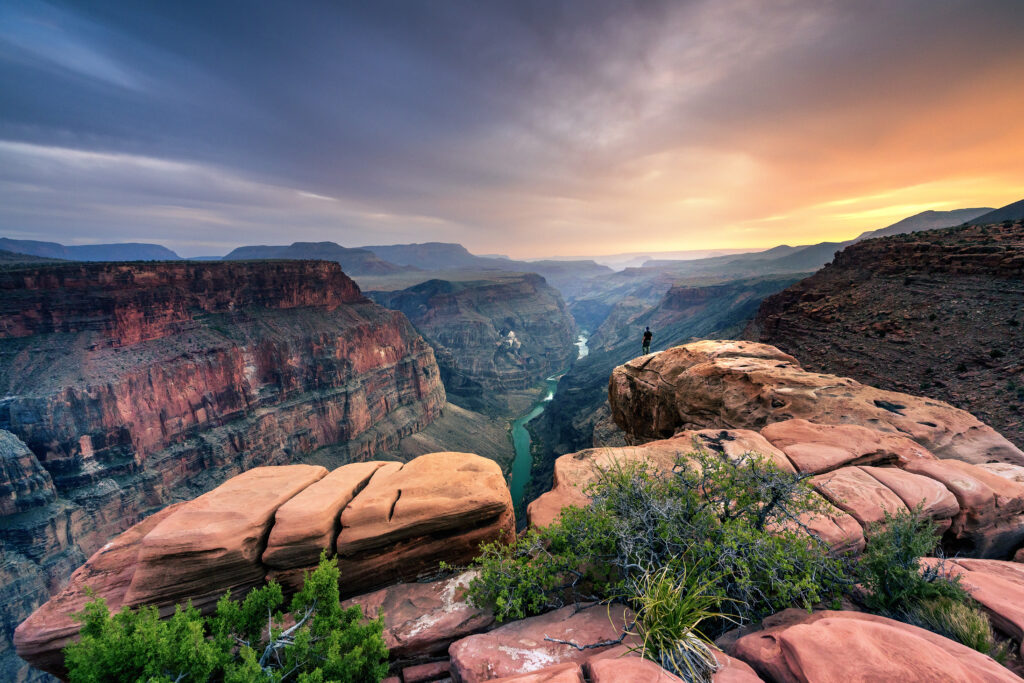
{"points": [[523, 461]]}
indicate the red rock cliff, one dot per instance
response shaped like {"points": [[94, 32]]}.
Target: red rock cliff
{"points": [[137, 384]]}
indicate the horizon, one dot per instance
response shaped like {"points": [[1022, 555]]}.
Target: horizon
{"points": [[524, 129]]}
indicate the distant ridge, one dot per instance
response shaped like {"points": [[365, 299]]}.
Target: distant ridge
{"points": [[1010, 212], [118, 251], [8, 258], [353, 261], [926, 220]]}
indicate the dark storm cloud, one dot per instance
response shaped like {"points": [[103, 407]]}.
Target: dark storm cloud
{"points": [[515, 126]]}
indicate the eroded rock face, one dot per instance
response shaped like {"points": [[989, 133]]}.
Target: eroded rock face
{"points": [[745, 385], [829, 646], [137, 384], [199, 549]]}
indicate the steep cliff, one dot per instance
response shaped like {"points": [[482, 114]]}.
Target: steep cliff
{"points": [[490, 336], [938, 313], [134, 385]]}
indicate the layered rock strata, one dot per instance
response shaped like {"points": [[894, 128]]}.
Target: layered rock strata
{"points": [[937, 313], [136, 384], [199, 549]]}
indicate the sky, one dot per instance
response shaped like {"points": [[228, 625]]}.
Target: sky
{"points": [[519, 127]]}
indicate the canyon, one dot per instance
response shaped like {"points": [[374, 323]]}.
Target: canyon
{"points": [[129, 386]]}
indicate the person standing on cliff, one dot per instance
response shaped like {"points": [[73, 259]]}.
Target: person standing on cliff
{"points": [[647, 340]]}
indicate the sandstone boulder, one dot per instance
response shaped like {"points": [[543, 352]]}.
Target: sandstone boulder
{"points": [[744, 385], [214, 543], [998, 587], [522, 647], [815, 448], [1005, 470], [732, 670], [836, 528], [991, 519], [627, 670], [865, 498], [574, 472], [735, 443], [309, 522], [796, 647], [425, 618], [936, 501], [439, 506]]}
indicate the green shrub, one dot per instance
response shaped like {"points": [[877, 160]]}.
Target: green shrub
{"points": [[734, 520], [889, 568], [244, 642]]}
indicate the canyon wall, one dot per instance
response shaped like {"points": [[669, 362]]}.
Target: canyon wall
{"points": [[131, 386], [938, 313], [491, 336]]}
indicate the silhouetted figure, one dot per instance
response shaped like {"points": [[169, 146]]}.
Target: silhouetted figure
{"points": [[647, 340]]}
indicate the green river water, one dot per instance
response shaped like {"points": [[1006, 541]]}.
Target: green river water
{"points": [[523, 462]]}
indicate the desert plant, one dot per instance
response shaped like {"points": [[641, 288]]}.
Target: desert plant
{"points": [[959, 620], [244, 642], [671, 607], [738, 520]]}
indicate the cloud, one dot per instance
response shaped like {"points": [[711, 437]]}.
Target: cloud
{"points": [[516, 127]]}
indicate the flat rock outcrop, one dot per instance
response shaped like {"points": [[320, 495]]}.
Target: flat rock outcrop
{"points": [[137, 384], [425, 618], [745, 385], [521, 647], [936, 313], [199, 549], [796, 647]]}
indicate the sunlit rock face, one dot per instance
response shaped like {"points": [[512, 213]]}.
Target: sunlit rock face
{"points": [[136, 384], [746, 385]]}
